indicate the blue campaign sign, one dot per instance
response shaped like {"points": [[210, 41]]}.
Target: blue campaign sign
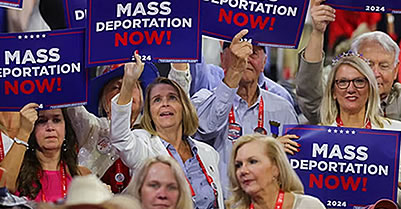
{"points": [[341, 165], [382, 6], [13, 4], [270, 22], [75, 13], [167, 31], [43, 67]]}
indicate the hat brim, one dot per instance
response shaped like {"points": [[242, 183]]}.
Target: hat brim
{"points": [[97, 84], [384, 203]]}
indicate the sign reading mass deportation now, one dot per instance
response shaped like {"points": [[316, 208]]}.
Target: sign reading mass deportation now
{"points": [[42, 67], [75, 13], [162, 31], [382, 6], [347, 167], [14, 4], [276, 23]]}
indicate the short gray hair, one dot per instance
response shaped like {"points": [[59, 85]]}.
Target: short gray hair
{"points": [[379, 37]]}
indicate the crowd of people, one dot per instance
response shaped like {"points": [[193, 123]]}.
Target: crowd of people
{"points": [[206, 137]]}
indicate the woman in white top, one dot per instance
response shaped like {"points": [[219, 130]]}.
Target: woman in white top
{"points": [[169, 118], [261, 177]]}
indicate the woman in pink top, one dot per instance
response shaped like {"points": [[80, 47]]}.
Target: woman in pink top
{"points": [[51, 160]]}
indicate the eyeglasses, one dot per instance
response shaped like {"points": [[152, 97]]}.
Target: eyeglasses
{"points": [[359, 83]]}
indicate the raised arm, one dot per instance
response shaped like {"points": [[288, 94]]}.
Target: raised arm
{"points": [[14, 157], [309, 76], [132, 147], [132, 71], [214, 106]]}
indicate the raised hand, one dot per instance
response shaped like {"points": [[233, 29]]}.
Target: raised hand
{"points": [[28, 117], [237, 59], [290, 146], [322, 15], [132, 72]]}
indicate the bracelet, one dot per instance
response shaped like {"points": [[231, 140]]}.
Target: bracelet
{"points": [[18, 141]]}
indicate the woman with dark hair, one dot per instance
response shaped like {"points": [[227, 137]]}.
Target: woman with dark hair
{"points": [[51, 159]]}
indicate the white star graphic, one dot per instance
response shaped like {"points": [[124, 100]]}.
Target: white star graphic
{"points": [[329, 130], [347, 131], [341, 131], [335, 131], [353, 132]]}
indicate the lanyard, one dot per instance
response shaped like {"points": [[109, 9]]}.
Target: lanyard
{"points": [[231, 116], [1, 148], [279, 201], [208, 178], [63, 182], [190, 186], [368, 124]]}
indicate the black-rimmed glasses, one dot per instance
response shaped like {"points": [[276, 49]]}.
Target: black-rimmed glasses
{"points": [[359, 83]]}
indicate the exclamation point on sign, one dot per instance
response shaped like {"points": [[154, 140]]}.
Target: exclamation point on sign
{"points": [[272, 21], [58, 84], [364, 180], [168, 42]]}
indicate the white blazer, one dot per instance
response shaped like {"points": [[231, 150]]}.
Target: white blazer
{"points": [[137, 145]]}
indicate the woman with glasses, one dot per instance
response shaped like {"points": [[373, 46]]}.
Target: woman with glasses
{"points": [[351, 97]]}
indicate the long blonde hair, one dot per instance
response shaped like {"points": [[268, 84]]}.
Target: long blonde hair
{"points": [[288, 180], [329, 108]]}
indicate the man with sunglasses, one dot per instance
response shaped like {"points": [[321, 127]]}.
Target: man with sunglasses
{"points": [[381, 51]]}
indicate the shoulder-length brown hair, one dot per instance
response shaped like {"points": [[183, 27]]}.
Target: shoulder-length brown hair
{"points": [[189, 117], [28, 182], [288, 180]]}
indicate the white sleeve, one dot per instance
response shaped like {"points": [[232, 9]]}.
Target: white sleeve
{"points": [[7, 143]]}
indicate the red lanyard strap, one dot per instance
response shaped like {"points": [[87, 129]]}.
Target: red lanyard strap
{"points": [[260, 114], [340, 123], [63, 182], [208, 178], [279, 201], [1, 148], [231, 116], [190, 186]]}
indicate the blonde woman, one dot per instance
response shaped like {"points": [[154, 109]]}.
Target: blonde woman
{"points": [[351, 98], [261, 177], [160, 181]]}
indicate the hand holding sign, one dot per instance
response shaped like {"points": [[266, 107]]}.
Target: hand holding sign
{"points": [[290, 146], [322, 15], [132, 71], [238, 55], [28, 117]]}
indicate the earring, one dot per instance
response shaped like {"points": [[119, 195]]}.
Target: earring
{"points": [[64, 145]]}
